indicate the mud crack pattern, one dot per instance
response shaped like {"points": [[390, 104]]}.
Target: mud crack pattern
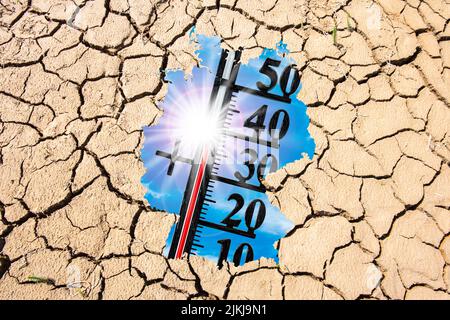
{"points": [[79, 79]]}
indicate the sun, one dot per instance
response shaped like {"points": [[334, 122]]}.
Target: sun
{"points": [[198, 128]]}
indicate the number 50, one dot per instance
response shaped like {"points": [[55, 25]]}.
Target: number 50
{"points": [[267, 70]]}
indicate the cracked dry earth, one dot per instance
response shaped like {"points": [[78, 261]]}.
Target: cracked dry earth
{"points": [[80, 79]]}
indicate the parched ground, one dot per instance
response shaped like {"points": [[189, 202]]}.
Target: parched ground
{"points": [[79, 79]]}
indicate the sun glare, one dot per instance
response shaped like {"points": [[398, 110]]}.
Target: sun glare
{"points": [[198, 126]]}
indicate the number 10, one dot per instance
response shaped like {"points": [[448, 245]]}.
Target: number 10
{"points": [[225, 249]]}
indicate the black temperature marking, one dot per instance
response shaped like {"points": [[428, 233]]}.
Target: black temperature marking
{"points": [[173, 157], [237, 257]]}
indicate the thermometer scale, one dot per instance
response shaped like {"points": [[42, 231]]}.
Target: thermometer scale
{"points": [[224, 213]]}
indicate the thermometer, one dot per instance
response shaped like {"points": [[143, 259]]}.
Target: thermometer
{"points": [[221, 133]]}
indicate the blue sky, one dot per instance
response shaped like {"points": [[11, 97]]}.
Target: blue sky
{"points": [[191, 95]]}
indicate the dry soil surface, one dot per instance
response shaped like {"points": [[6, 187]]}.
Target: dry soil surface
{"points": [[79, 79]]}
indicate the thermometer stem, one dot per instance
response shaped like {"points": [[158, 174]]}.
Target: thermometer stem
{"points": [[192, 201], [204, 157]]}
